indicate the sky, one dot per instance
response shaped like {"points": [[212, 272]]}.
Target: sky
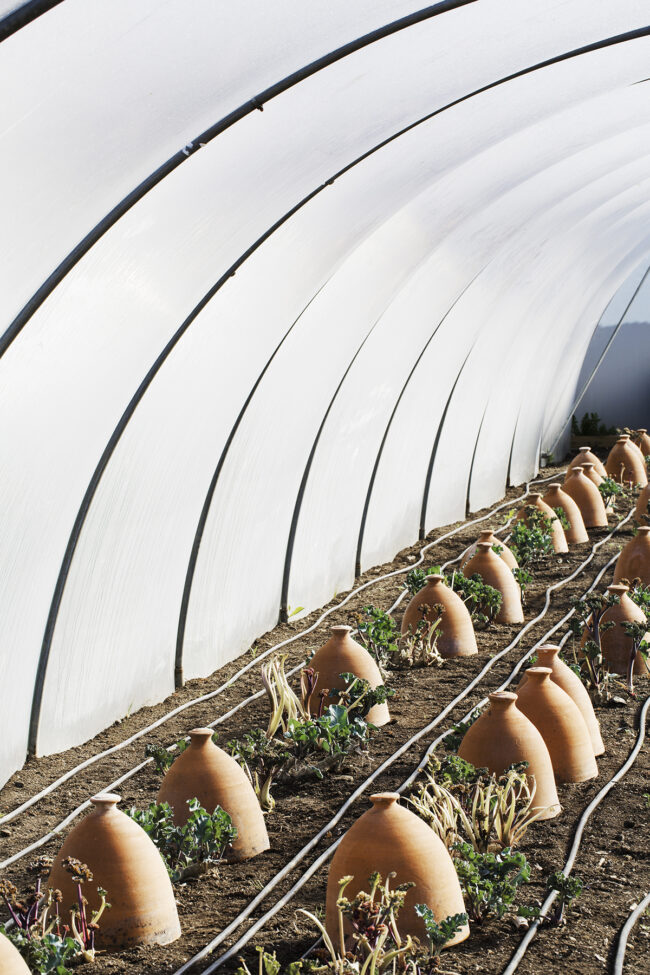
{"points": [[639, 310]]}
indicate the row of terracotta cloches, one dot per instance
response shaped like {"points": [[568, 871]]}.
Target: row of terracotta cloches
{"points": [[126, 863]]}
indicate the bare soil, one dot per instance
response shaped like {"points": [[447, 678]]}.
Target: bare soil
{"points": [[613, 860]]}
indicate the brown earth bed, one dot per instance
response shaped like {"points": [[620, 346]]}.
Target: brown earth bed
{"points": [[613, 860]]}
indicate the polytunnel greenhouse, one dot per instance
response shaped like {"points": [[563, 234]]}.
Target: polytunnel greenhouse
{"points": [[325, 548]]}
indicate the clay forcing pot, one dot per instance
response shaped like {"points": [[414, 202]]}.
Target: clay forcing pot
{"points": [[587, 497], [456, 631], [206, 772], [557, 532], [561, 725], [585, 455], [125, 862], [642, 510], [634, 560], [496, 573], [11, 961], [490, 538], [564, 677], [502, 736], [389, 838], [615, 644], [343, 655], [625, 463], [642, 441], [555, 497]]}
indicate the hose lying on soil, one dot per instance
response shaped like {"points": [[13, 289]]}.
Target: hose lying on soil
{"points": [[227, 931], [48, 790]]}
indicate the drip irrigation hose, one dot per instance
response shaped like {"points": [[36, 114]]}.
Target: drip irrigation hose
{"points": [[582, 822], [111, 787], [227, 931], [13, 814], [619, 959]]}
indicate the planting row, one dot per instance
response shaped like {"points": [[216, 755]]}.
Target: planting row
{"points": [[312, 733]]}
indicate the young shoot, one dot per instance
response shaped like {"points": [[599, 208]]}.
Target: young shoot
{"points": [[568, 889], [639, 648]]}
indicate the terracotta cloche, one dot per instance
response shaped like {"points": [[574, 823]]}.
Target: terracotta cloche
{"points": [[389, 838], [125, 862], [585, 455], [11, 961], [496, 573], [564, 677], [642, 441], [457, 638], [503, 736], [555, 497], [488, 536], [587, 497], [615, 644], [560, 724], [642, 509], [557, 532], [343, 655], [625, 463], [634, 560], [205, 772]]}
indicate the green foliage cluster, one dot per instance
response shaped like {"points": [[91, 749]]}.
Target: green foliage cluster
{"points": [[587, 621], [482, 601], [187, 850], [531, 537], [590, 426], [489, 881]]}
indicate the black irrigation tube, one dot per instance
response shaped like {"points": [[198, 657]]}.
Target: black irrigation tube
{"points": [[255, 104], [577, 839], [8, 817], [229, 929], [115, 437], [619, 958]]}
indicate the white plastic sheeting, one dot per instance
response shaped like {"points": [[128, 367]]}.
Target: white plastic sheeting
{"points": [[179, 442]]}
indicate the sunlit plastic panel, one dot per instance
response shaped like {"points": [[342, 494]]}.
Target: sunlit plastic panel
{"points": [[128, 86], [62, 637], [564, 273]]}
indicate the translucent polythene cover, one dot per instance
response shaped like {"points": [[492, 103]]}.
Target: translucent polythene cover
{"points": [[332, 327]]}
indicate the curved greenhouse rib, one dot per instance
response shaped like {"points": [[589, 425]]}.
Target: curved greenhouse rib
{"points": [[24, 15], [252, 105], [39, 682], [366, 506]]}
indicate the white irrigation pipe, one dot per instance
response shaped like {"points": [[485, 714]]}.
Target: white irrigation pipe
{"points": [[14, 813], [227, 931], [619, 960], [111, 787], [582, 822]]}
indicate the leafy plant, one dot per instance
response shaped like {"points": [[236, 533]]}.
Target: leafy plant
{"points": [[531, 537], [611, 492], [262, 758], [187, 850], [591, 426], [416, 579], [562, 518], [285, 705], [482, 601], [440, 933], [588, 620], [524, 579], [462, 803], [568, 889], [489, 881], [39, 932], [637, 633], [379, 634]]}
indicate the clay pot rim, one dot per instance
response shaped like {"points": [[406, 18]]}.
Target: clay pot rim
{"points": [[485, 546], [105, 801], [486, 532], [534, 494], [550, 646], [555, 484], [502, 697], [435, 577], [583, 449], [381, 800], [644, 528], [541, 673], [618, 587], [200, 735], [340, 629]]}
